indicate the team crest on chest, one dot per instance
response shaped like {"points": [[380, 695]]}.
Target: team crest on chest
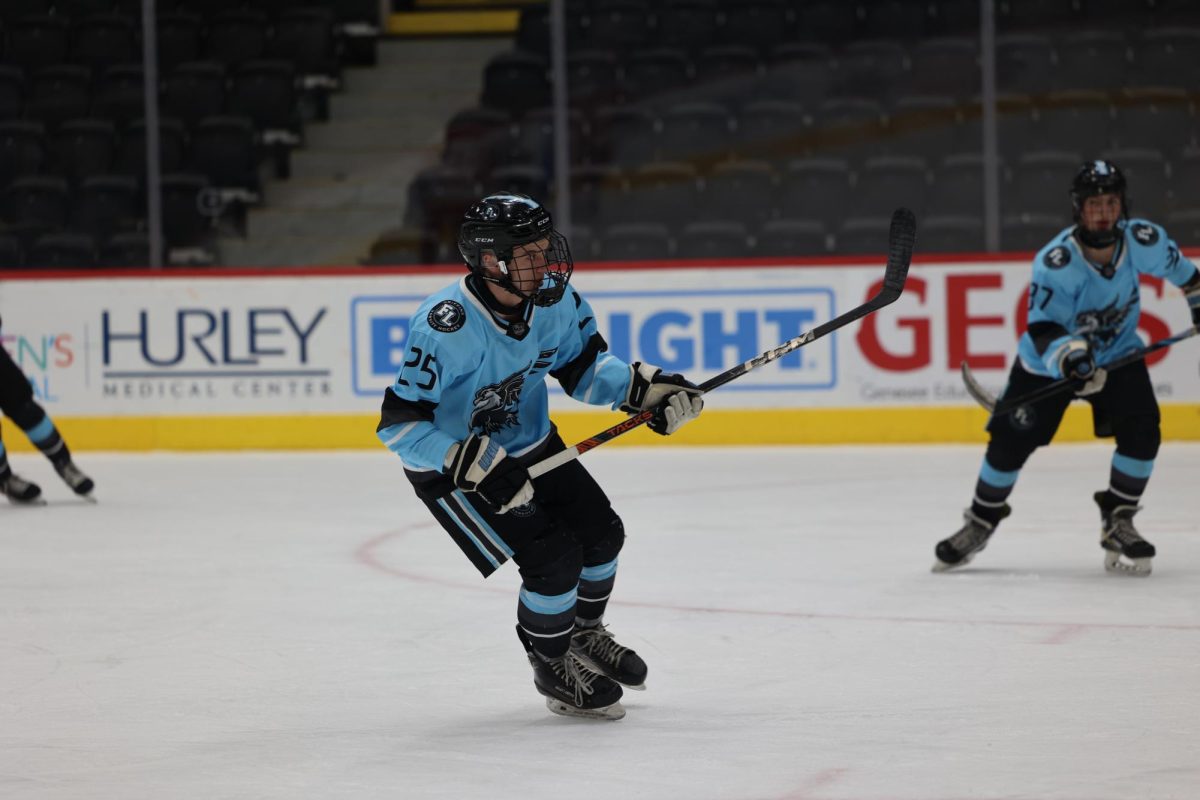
{"points": [[1103, 324], [447, 316], [495, 406]]}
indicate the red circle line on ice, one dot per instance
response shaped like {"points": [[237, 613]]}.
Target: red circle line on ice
{"points": [[1061, 631]]}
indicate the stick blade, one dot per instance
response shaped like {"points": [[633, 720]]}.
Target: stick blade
{"points": [[901, 238], [976, 389]]}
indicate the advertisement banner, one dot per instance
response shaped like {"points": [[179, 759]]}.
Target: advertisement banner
{"points": [[326, 343]]}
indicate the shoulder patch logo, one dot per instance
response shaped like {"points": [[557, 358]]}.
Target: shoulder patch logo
{"points": [[447, 316], [1057, 257], [1145, 234]]}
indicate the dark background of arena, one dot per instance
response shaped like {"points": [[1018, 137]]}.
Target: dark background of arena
{"points": [[343, 133]]}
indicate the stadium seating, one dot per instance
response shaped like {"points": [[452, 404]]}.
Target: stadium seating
{"points": [[795, 119], [951, 234], [815, 188], [713, 239], [741, 191], [238, 79], [635, 242], [791, 237]]}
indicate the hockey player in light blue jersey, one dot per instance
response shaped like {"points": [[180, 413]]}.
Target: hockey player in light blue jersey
{"points": [[1083, 313], [468, 412]]}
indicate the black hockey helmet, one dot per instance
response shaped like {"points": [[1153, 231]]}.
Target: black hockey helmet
{"points": [[501, 222], [1096, 178]]}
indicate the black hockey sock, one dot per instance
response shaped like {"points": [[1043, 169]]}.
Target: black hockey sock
{"points": [[5, 469], [548, 620], [595, 587], [41, 431], [1128, 478], [991, 490]]}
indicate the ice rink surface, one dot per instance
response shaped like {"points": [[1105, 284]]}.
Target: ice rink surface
{"points": [[295, 626]]}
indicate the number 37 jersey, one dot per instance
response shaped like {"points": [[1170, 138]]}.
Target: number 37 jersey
{"points": [[1072, 298], [465, 370]]}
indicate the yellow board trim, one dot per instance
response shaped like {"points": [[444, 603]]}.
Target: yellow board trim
{"points": [[924, 425], [448, 23], [473, 4]]}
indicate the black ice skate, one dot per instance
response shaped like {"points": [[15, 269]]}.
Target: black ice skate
{"points": [[81, 484], [959, 549], [1125, 551], [599, 651], [570, 688], [20, 491]]}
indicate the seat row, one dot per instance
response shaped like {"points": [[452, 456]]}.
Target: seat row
{"points": [[306, 37], [481, 140], [226, 149], [75, 251], [265, 91], [632, 24], [38, 213], [789, 237], [880, 69], [825, 189], [347, 9]]}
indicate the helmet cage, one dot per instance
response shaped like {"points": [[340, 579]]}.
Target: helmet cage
{"points": [[499, 224]]}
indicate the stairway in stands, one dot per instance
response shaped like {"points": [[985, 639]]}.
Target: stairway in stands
{"points": [[352, 179]]}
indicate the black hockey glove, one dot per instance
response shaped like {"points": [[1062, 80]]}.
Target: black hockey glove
{"points": [[1191, 290], [676, 401], [1079, 365], [479, 465]]}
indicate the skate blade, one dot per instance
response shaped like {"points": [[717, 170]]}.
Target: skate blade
{"points": [[942, 566], [89, 498], [1118, 565], [37, 501], [614, 712]]}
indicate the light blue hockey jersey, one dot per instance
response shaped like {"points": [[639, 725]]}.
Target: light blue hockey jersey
{"points": [[466, 370], [1071, 298]]}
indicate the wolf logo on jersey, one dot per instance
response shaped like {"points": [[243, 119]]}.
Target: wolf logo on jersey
{"points": [[1104, 324], [496, 406]]}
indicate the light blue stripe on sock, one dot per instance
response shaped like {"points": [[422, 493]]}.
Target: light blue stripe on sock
{"points": [[548, 604], [599, 572], [2, 450], [41, 432], [994, 477], [1133, 467], [445, 507]]}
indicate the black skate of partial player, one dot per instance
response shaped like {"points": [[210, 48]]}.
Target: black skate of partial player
{"points": [[1125, 551], [959, 549], [570, 688], [600, 652], [20, 491], [80, 483]]}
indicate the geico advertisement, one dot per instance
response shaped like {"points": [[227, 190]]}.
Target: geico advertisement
{"points": [[910, 353], [281, 345]]}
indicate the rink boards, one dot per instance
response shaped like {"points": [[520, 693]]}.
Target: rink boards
{"points": [[299, 360]]}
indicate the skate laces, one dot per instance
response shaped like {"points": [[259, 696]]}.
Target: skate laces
{"points": [[574, 674], [14, 484], [1120, 526], [600, 643], [71, 474], [973, 533]]}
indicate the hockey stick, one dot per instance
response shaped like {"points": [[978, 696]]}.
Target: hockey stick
{"points": [[998, 406], [901, 237]]}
